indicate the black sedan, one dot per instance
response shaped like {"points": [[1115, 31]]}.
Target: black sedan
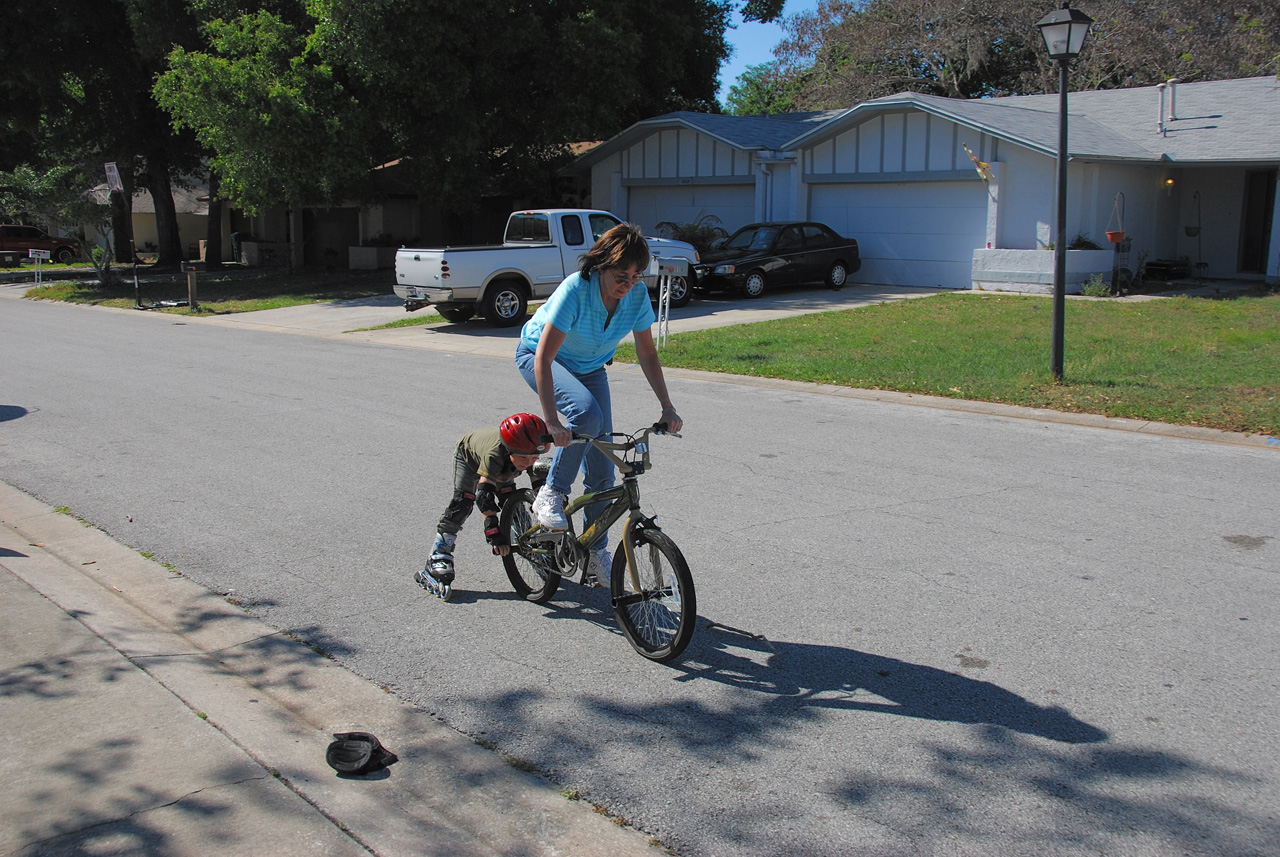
{"points": [[766, 255]]}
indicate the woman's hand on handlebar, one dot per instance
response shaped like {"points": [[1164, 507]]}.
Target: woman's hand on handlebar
{"points": [[671, 420], [560, 435]]}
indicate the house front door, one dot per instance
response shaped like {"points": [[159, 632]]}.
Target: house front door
{"points": [[1255, 231]]}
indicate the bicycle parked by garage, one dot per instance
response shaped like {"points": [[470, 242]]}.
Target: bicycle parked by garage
{"points": [[650, 586]]}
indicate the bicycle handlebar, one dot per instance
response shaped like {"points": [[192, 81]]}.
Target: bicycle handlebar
{"points": [[632, 440], [656, 428]]}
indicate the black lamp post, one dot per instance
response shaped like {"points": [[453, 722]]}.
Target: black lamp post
{"points": [[1064, 32]]}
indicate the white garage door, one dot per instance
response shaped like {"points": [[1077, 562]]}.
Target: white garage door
{"points": [[909, 233], [733, 204]]}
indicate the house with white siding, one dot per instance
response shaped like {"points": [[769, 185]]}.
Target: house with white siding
{"points": [[1187, 171]]}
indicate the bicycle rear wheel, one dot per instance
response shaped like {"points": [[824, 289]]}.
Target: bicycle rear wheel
{"points": [[531, 566], [657, 615]]}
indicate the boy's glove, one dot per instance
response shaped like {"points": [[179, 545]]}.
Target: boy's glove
{"points": [[493, 533]]}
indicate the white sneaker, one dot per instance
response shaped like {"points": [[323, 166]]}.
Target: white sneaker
{"points": [[599, 564], [548, 508]]}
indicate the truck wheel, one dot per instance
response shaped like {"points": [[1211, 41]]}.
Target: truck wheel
{"points": [[505, 304], [456, 313], [65, 255], [681, 294]]}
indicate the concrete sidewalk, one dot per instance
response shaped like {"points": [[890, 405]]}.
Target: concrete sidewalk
{"points": [[146, 715], [344, 319]]}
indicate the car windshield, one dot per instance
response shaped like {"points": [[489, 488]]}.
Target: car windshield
{"points": [[752, 238]]}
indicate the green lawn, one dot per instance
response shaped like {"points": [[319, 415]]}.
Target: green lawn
{"points": [[1187, 361]]}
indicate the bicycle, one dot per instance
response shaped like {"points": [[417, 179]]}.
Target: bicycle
{"points": [[650, 586]]}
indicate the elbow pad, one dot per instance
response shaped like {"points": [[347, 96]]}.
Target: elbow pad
{"points": [[487, 498]]}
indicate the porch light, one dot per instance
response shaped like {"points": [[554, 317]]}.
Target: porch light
{"points": [[1064, 32]]}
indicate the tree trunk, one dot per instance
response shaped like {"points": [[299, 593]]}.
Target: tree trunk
{"points": [[170, 241], [213, 236], [122, 223]]}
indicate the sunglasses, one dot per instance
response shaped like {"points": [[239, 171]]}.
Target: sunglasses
{"points": [[620, 278]]}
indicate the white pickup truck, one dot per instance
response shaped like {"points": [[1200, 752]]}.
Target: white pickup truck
{"points": [[540, 248]]}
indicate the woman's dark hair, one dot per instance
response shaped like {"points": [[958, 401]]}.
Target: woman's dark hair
{"points": [[623, 246]]}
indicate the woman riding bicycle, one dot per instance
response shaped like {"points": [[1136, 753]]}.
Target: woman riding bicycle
{"points": [[562, 355]]}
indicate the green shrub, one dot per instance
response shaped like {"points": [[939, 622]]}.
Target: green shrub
{"points": [[1083, 242], [1096, 287]]}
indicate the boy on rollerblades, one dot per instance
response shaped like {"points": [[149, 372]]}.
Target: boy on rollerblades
{"points": [[485, 466]]}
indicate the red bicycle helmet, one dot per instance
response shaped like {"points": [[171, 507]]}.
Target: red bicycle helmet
{"points": [[525, 434]]}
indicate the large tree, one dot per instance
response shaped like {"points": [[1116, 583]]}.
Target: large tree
{"points": [[299, 98], [75, 93], [853, 51], [765, 88]]}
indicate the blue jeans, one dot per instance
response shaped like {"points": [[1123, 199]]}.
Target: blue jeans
{"points": [[584, 401]]}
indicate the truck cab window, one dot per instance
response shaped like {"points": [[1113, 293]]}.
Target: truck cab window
{"points": [[529, 229], [571, 226]]}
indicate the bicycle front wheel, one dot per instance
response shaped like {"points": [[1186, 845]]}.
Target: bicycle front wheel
{"points": [[657, 609], [531, 566]]}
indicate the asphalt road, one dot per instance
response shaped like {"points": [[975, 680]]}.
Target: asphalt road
{"points": [[924, 632]]}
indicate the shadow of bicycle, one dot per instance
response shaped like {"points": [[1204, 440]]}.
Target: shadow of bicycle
{"points": [[799, 676]]}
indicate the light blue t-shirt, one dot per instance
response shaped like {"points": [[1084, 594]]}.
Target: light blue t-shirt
{"points": [[577, 309]]}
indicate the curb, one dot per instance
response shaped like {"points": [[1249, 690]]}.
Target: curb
{"points": [[277, 701], [996, 409]]}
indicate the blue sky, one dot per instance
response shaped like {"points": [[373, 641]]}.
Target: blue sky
{"points": [[754, 43]]}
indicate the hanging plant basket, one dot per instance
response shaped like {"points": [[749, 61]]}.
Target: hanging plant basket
{"points": [[1116, 235]]}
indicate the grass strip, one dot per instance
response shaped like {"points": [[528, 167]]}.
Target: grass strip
{"points": [[1185, 361], [223, 293]]}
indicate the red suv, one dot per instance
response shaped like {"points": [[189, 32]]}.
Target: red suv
{"points": [[24, 238]]}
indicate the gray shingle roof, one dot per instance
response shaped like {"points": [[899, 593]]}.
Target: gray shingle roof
{"points": [[1029, 125], [1216, 121]]}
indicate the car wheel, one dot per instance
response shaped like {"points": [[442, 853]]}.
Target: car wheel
{"points": [[754, 285], [64, 255], [505, 304], [837, 276], [681, 294], [456, 312]]}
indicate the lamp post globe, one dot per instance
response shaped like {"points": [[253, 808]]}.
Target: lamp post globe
{"points": [[1064, 31]]}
